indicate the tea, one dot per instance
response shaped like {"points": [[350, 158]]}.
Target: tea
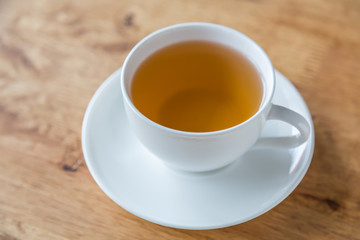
{"points": [[197, 86]]}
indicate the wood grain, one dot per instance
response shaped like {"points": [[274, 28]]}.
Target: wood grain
{"points": [[54, 55]]}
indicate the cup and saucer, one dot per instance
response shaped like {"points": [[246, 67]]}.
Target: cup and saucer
{"points": [[143, 183], [140, 183]]}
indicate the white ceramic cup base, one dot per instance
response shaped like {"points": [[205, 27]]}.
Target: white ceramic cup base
{"points": [[140, 183]]}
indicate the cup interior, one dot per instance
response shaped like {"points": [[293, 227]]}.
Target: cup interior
{"points": [[205, 32]]}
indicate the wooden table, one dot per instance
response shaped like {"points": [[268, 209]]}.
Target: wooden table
{"points": [[54, 55]]}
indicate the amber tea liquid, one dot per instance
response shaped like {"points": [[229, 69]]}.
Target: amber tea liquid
{"points": [[197, 86]]}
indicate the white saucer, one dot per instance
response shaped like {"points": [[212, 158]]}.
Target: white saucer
{"points": [[140, 183]]}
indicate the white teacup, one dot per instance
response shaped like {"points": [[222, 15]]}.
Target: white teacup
{"points": [[205, 151]]}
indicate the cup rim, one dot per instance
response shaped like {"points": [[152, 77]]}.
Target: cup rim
{"points": [[129, 102]]}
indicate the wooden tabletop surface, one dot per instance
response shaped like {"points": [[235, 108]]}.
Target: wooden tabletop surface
{"points": [[55, 54]]}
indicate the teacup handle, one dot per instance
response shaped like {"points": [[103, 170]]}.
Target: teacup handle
{"points": [[293, 118]]}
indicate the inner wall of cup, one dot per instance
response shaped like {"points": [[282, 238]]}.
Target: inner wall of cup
{"points": [[205, 32]]}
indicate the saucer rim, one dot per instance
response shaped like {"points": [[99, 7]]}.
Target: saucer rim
{"points": [[109, 193]]}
